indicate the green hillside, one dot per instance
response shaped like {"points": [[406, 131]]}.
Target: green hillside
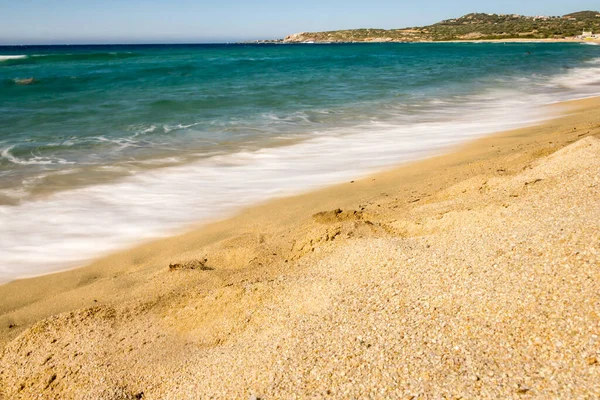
{"points": [[476, 26]]}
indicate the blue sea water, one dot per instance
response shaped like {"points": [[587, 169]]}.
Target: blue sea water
{"points": [[104, 146]]}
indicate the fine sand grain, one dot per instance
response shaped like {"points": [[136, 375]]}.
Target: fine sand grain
{"points": [[470, 275]]}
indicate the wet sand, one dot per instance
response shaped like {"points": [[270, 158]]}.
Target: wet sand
{"points": [[473, 274]]}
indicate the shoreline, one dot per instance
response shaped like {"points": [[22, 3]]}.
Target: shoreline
{"points": [[171, 194], [514, 40], [508, 40], [90, 205], [197, 227], [538, 115], [276, 241]]}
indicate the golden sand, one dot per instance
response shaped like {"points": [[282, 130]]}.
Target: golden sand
{"points": [[470, 275]]}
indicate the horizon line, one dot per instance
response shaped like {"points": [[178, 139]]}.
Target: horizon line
{"points": [[137, 43]]}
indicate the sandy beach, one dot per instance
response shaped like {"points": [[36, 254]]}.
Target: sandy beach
{"points": [[565, 40], [473, 274]]}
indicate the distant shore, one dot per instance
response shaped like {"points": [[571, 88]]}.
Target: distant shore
{"points": [[379, 40], [566, 40], [582, 25], [469, 274]]}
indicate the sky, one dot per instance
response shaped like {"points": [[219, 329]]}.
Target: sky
{"points": [[201, 21]]}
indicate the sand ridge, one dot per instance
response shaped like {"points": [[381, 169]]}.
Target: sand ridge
{"points": [[474, 275]]}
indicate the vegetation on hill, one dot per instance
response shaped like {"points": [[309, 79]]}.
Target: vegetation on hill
{"points": [[476, 26]]}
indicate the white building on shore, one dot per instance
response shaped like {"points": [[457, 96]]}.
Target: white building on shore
{"points": [[589, 35]]}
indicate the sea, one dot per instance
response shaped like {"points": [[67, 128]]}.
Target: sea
{"points": [[105, 147]]}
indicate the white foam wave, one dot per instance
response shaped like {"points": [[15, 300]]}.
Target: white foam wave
{"points": [[150, 129], [160, 161], [121, 143], [35, 160], [171, 128], [584, 79], [142, 129], [74, 226], [35, 180], [16, 57], [68, 228], [14, 194]]}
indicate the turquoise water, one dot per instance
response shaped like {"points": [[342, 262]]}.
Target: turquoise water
{"points": [[104, 146]]}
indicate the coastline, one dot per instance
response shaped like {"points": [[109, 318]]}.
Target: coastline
{"points": [[83, 205], [540, 117], [566, 40], [277, 241], [508, 40]]}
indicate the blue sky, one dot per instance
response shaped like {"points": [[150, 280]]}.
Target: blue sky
{"points": [[162, 21]]}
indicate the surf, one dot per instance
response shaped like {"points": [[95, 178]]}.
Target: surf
{"points": [[104, 152]]}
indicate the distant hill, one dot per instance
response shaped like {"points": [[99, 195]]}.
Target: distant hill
{"points": [[476, 26]]}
